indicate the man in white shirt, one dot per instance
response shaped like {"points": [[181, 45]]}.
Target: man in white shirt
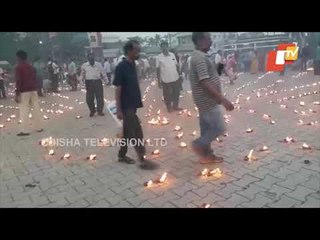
{"points": [[168, 77], [72, 75], [107, 70], [92, 73]]}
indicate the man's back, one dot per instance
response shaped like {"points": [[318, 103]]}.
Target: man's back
{"points": [[25, 77], [202, 68]]}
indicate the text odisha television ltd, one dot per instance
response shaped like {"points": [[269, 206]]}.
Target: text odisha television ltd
{"points": [[286, 53]]}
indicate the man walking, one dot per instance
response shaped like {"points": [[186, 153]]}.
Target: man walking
{"points": [[206, 92], [107, 70], [26, 93], [168, 77], [128, 100], [92, 73], [72, 75]]}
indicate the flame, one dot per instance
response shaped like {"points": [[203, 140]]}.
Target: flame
{"points": [[92, 157], [218, 140], [180, 135], [237, 101], [51, 152], [248, 98], [177, 128], [66, 156], [149, 183], [303, 113], [301, 104], [158, 112], [45, 117], [148, 140], [195, 108], [216, 172], [165, 121], [153, 121], [305, 146], [300, 121], [258, 94], [156, 152], [283, 106], [264, 148], [30, 115], [1, 126], [316, 103], [13, 116], [8, 120], [272, 122], [204, 172], [163, 177], [250, 154], [189, 114], [251, 111], [78, 117], [183, 145], [295, 111], [266, 116], [249, 130], [194, 133], [288, 139]]}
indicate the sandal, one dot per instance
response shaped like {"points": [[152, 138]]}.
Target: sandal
{"points": [[127, 160]]}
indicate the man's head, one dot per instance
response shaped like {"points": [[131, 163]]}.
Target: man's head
{"points": [[202, 41], [132, 49], [164, 47], [91, 58], [21, 56]]}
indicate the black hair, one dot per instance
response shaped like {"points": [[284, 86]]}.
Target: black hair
{"points": [[129, 46], [164, 43], [22, 55], [196, 36]]}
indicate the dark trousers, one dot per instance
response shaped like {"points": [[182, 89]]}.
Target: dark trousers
{"points": [[94, 90], [132, 130], [171, 93], [54, 82], [304, 64], [73, 82], [109, 76], [2, 89]]}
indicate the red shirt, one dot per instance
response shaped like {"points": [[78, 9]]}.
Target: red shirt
{"points": [[25, 78]]}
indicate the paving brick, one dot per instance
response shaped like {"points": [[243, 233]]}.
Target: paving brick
{"points": [[228, 190], [205, 190], [268, 181], [293, 180], [233, 201], [245, 181], [258, 202], [284, 202], [300, 193], [311, 203], [251, 191], [181, 190], [275, 192]]}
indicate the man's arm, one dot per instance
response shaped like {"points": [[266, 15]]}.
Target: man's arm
{"points": [[18, 81], [158, 72], [118, 82]]}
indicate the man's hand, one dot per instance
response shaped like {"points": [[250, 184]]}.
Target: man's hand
{"points": [[17, 98], [227, 104], [119, 115]]}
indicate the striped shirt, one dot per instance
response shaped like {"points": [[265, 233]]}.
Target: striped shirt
{"points": [[202, 68]]}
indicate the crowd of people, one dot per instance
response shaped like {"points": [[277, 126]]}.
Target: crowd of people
{"points": [[201, 70]]}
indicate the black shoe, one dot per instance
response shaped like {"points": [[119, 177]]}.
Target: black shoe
{"points": [[127, 160], [148, 165], [101, 114], [23, 134], [91, 114]]}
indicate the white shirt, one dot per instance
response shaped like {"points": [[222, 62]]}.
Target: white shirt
{"points": [[168, 67], [217, 58], [55, 67], [107, 67], [72, 70], [94, 72]]}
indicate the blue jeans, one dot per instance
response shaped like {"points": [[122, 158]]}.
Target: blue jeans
{"points": [[211, 126]]}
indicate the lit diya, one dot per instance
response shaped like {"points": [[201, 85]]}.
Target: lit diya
{"points": [[264, 148], [51, 152], [189, 114], [1, 126], [295, 111], [250, 156], [180, 135], [8, 120], [164, 121], [182, 145], [316, 103], [206, 205], [266, 116], [283, 106], [66, 156], [313, 111], [158, 112], [92, 157], [177, 128], [194, 133], [272, 122], [153, 121], [249, 130], [219, 140], [306, 146], [248, 98], [148, 184], [301, 103], [45, 117], [208, 173], [78, 117], [300, 121], [163, 178], [13, 116], [251, 111], [155, 152], [289, 140]]}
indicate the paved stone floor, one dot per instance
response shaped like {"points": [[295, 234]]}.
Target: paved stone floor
{"points": [[284, 176]]}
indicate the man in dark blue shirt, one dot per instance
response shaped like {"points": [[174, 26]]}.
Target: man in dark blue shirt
{"points": [[128, 100]]}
